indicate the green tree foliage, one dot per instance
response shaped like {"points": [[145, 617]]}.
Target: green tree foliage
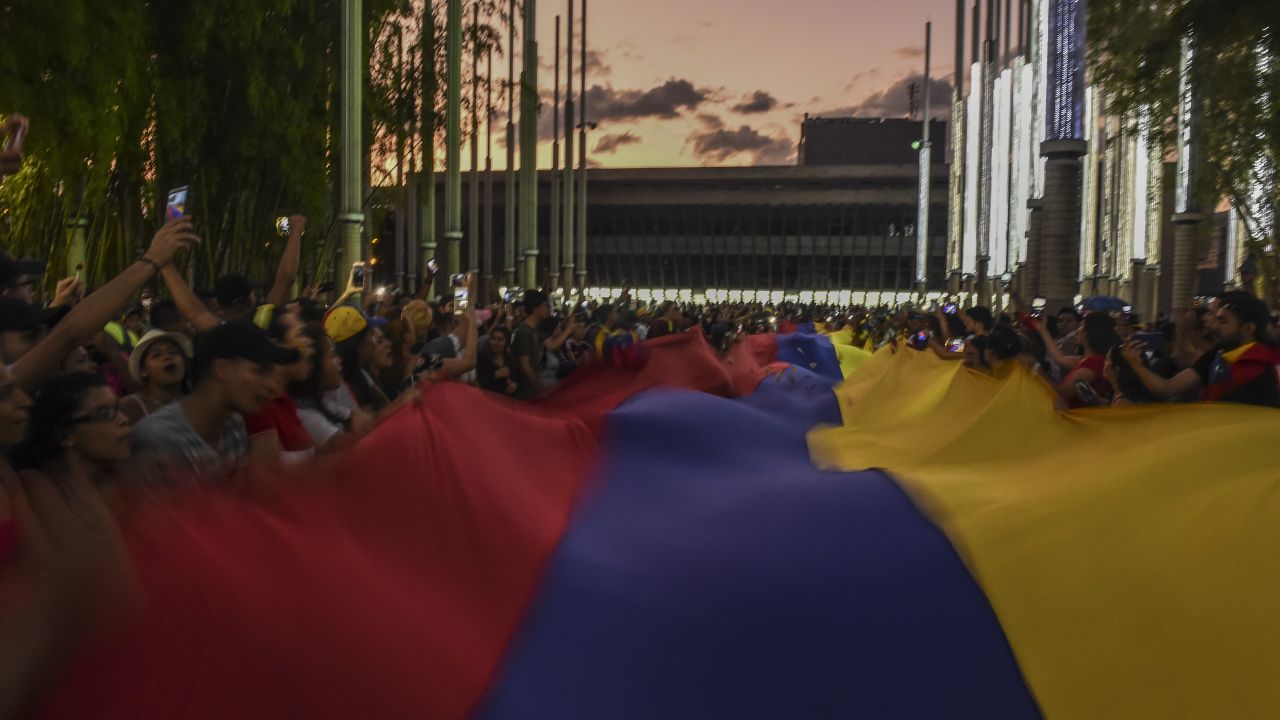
{"points": [[1134, 54], [237, 98]]}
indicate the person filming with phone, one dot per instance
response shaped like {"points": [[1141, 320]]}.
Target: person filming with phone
{"points": [[1240, 368]]}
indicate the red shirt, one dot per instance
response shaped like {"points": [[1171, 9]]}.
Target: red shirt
{"points": [[280, 415], [1097, 364]]}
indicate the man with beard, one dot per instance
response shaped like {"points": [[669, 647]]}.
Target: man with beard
{"points": [[1242, 366]]}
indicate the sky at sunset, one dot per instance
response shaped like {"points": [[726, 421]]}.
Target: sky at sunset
{"points": [[726, 82]]}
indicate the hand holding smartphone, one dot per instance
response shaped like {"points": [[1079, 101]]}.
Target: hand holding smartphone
{"points": [[461, 294], [357, 280]]}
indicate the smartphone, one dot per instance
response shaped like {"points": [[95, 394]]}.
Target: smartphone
{"points": [[1153, 340], [177, 205], [461, 294], [949, 309], [357, 275], [1087, 394], [433, 267], [955, 345], [919, 341], [282, 227]]}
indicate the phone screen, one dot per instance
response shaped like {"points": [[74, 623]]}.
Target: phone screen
{"points": [[461, 294], [949, 309], [177, 206], [955, 345], [433, 267], [357, 275], [282, 226], [1086, 392]]}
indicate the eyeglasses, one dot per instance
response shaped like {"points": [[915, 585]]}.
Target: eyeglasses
{"points": [[29, 285], [100, 414]]}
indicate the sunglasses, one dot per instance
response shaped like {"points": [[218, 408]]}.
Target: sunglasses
{"points": [[100, 414]]}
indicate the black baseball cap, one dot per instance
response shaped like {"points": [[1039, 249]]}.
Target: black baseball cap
{"points": [[18, 315], [11, 268], [232, 289], [239, 340], [534, 299]]}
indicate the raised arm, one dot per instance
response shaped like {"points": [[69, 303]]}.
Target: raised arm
{"points": [[188, 304], [1183, 383], [465, 362], [95, 311], [566, 331], [1051, 348], [287, 272]]}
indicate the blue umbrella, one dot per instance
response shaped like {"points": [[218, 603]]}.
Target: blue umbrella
{"points": [[1105, 303]]}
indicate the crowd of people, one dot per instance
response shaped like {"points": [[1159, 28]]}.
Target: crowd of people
{"points": [[148, 384]]}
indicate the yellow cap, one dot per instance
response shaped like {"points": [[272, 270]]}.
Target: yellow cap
{"points": [[262, 316], [344, 322]]}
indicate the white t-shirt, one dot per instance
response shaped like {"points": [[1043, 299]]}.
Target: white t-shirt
{"points": [[318, 425]]}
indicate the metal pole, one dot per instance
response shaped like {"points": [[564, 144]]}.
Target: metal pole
{"points": [[529, 148], [411, 188], [353, 72], [489, 266], [976, 41], [1008, 32], [402, 204], [569, 182], [473, 193], [922, 197], [984, 156], [427, 213], [509, 230], [453, 139], [1186, 218], [955, 195], [580, 266], [554, 265]]}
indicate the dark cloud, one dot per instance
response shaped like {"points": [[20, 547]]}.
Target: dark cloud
{"points": [[757, 102], [860, 76], [895, 100], [711, 122], [597, 66], [610, 143], [665, 101], [721, 144]]}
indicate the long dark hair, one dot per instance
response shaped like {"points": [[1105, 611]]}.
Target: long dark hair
{"points": [[499, 330], [367, 393], [1100, 330], [309, 388], [51, 419], [309, 393]]}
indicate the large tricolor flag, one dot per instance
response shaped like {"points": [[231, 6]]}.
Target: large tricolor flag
{"points": [[707, 538]]}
